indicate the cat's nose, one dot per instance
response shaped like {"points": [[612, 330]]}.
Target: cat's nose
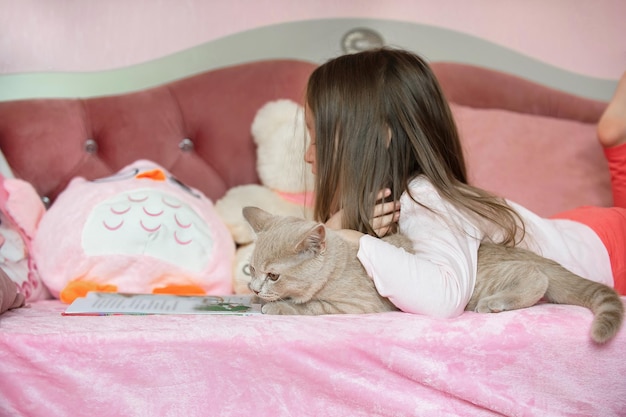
{"points": [[252, 289]]}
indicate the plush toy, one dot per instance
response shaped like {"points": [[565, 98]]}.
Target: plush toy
{"points": [[139, 231], [280, 135], [20, 212]]}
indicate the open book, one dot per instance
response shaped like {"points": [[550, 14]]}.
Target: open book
{"points": [[108, 303]]}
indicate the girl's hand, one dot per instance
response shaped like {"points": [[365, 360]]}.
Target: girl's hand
{"points": [[386, 215]]}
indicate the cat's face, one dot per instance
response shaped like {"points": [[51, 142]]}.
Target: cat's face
{"points": [[287, 256]]}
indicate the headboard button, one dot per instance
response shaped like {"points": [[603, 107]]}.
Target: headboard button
{"points": [[186, 145], [91, 146]]}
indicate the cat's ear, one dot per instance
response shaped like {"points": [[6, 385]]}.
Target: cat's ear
{"points": [[256, 217], [314, 241]]}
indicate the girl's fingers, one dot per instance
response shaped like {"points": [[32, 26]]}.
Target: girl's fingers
{"points": [[383, 221], [384, 209], [385, 213], [382, 224], [382, 194]]}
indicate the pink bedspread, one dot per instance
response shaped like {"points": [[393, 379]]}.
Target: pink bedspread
{"points": [[534, 362]]}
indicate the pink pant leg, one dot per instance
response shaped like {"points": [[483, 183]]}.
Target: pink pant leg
{"points": [[609, 223]]}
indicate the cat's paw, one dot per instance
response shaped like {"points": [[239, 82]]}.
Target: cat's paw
{"points": [[490, 306], [278, 307]]}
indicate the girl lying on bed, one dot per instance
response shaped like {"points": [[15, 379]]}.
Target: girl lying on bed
{"points": [[379, 121]]}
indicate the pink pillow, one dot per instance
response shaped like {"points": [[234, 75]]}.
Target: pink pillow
{"points": [[138, 231], [545, 164]]}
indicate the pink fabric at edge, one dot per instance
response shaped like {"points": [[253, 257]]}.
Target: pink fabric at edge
{"points": [[533, 362]]}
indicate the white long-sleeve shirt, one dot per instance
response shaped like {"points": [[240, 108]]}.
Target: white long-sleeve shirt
{"points": [[438, 279]]}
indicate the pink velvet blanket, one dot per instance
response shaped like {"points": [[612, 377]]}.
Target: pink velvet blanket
{"points": [[533, 362]]}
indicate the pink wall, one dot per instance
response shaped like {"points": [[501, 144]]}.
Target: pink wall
{"points": [[583, 36]]}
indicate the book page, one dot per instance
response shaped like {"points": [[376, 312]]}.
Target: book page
{"points": [[105, 303]]}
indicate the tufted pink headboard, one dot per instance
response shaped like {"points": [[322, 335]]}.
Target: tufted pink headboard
{"points": [[479, 87], [198, 128], [525, 141]]}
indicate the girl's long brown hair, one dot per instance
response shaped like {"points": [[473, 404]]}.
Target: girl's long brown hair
{"points": [[380, 120]]}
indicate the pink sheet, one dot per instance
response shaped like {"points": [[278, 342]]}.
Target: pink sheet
{"points": [[534, 362]]}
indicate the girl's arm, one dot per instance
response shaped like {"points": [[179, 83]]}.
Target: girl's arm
{"points": [[438, 282], [438, 279]]}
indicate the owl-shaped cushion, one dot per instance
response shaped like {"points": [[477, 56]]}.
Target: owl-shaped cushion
{"points": [[139, 231]]}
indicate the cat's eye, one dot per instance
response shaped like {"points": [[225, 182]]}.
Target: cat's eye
{"points": [[273, 276]]}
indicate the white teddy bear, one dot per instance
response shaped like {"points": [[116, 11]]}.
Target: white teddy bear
{"points": [[281, 138]]}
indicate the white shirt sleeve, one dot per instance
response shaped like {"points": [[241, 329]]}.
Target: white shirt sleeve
{"points": [[438, 279]]}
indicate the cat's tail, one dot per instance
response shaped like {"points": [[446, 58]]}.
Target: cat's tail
{"points": [[566, 287]]}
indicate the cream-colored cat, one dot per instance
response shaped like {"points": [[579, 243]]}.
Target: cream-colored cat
{"points": [[301, 267]]}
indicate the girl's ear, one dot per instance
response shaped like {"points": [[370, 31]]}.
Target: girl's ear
{"points": [[314, 241], [389, 136]]}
